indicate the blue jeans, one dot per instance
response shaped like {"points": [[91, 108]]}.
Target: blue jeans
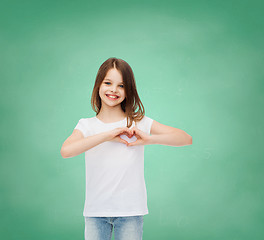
{"points": [[125, 228]]}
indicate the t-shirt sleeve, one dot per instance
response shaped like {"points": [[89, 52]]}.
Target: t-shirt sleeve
{"points": [[145, 124], [81, 126]]}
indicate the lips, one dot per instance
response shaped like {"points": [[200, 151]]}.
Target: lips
{"points": [[114, 97]]}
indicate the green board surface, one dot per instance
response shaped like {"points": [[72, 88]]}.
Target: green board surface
{"points": [[198, 67]]}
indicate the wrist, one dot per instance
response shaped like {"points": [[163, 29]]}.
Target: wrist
{"points": [[107, 136], [150, 140]]}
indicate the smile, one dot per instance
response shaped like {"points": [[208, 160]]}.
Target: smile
{"points": [[112, 97]]}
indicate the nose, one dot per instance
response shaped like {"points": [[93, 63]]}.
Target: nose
{"points": [[113, 89]]}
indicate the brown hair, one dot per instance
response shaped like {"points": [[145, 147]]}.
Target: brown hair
{"points": [[132, 100]]}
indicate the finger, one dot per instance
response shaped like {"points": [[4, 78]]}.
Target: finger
{"points": [[123, 130], [139, 132], [118, 139], [128, 131], [133, 143], [128, 134], [122, 140], [133, 131], [125, 133]]}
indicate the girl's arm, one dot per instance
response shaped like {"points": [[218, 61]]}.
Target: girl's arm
{"points": [[161, 134], [77, 143], [167, 135]]}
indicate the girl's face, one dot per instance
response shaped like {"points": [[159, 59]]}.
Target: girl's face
{"points": [[112, 85]]}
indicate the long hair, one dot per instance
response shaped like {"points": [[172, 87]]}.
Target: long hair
{"points": [[131, 101]]}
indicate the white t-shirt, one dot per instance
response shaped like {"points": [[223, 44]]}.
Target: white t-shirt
{"points": [[115, 183]]}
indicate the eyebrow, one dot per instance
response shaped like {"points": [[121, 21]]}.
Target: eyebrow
{"points": [[111, 80]]}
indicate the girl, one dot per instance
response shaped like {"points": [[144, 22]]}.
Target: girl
{"points": [[113, 142]]}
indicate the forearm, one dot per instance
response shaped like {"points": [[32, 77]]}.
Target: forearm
{"points": [[83, 145], [175, 139]]}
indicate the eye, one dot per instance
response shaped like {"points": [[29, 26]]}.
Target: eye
{"points": [[122, 86]]}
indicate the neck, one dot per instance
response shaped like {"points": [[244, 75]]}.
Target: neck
{"points": [[111, 113]]}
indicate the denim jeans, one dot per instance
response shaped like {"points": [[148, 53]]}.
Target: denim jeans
{"points": [[125, 228]]}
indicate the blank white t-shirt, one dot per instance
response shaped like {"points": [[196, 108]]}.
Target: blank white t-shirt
{"points": [[115, 183]]}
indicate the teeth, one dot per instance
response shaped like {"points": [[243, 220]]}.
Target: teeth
{"points": [[111, 96]]}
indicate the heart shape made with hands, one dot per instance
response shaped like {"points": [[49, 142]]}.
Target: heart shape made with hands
{"points": [[129, 139]]}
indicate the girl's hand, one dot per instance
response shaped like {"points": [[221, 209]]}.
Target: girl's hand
{"points": [[142, 137], [114, 135]]}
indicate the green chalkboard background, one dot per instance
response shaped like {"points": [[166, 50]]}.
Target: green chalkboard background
{"points": [[198, 67]]}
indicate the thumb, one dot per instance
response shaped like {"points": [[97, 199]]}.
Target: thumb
{"points": [[133, 143], [121, 140]]}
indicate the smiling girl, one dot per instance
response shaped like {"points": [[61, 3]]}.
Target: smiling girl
{"points": [[113, 142]]}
